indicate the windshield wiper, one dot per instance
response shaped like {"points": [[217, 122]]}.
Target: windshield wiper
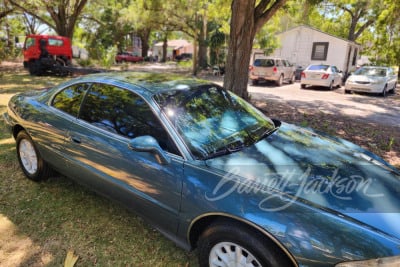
{"points": [[267, 133], [227, 149]]}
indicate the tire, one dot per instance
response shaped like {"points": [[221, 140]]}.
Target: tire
{"points": [[331, 86], [393, 91], [293, 80], [279, 82], [235, 239], [303, 86], [35, 68], [58, 67], [347, 91], [254, 82], [384, 91], [32, 164]]}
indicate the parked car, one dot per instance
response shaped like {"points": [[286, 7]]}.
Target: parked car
{"points": [[370, 79], [212, 172], [321, 75], [127, 57], [272, 69]]}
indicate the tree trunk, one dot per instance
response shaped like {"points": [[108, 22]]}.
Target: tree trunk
{"points": [[203, 44], [164, 49], [144, 35], [247, 19], [240, 45]]}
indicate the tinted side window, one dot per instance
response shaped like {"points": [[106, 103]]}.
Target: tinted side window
{"points": [[69, 99], [264, 63], [122, 112]]}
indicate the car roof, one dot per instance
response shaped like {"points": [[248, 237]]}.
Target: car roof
{"points": [[375, 67], [150, 82]]}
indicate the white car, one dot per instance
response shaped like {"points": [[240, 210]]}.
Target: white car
{"points": [[321, 75], [370, 79]]}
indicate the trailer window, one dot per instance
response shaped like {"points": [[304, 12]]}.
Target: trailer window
{"points": [[55, 42]]}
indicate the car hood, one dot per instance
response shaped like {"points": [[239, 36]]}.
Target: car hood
{"points": [[326, 172]]}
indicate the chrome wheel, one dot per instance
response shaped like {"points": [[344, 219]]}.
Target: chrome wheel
{"points": [[231, 254], [29, 159], [32, 164]]}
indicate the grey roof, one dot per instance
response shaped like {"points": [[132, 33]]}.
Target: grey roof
{"points": [[314, 29]]}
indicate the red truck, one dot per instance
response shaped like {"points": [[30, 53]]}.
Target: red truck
{"points": [[46, 53]]}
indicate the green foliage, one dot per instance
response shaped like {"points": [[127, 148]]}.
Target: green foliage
{"points": [[85, 62], [108, 56], [217, 44]]}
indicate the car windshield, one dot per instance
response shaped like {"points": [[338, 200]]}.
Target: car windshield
{"points": [[213, 121], [318, 67], [264, 63], [380, 72]]}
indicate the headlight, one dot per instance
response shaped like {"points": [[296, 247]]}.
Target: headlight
{"points": [[380, 262]]}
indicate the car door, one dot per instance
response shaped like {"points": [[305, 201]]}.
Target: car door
{"points": [[99, 155], [287, 69], [61, 113]]}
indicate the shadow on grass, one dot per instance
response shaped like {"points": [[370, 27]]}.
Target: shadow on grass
{"points": [[11, 83]]}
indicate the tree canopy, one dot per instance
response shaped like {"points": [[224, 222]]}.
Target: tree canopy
{"points": [[225, 31]]}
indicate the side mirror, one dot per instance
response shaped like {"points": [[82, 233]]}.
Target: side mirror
{"points": [[149, 144]]}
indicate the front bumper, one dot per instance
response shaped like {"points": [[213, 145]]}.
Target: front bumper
{"points": [[8, 122], [367, 88]]}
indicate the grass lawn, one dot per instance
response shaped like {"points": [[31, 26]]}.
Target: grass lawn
{"points": [[41, 222]]}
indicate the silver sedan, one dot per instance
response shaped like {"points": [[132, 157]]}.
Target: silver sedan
{"points": [[370, 79]]}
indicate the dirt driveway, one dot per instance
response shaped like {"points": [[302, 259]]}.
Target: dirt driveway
{"points": [[363, 107]]}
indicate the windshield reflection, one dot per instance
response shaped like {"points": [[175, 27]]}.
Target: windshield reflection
{"points": [[213, 121]]}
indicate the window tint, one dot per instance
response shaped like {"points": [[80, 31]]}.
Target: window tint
{"points": [[380, 72], [69, 99], [122, 112], [264, 63], [211, 120], [318, 67]]}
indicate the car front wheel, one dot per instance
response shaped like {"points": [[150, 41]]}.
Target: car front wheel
{"points": [[33, 166], [384, 91], [293, 80], [232, 244]]}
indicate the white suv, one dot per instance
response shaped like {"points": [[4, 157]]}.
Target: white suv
{"points": [[272, 69]]}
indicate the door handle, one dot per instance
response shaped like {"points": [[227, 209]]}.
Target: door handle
{"points": [[75, 139]]}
